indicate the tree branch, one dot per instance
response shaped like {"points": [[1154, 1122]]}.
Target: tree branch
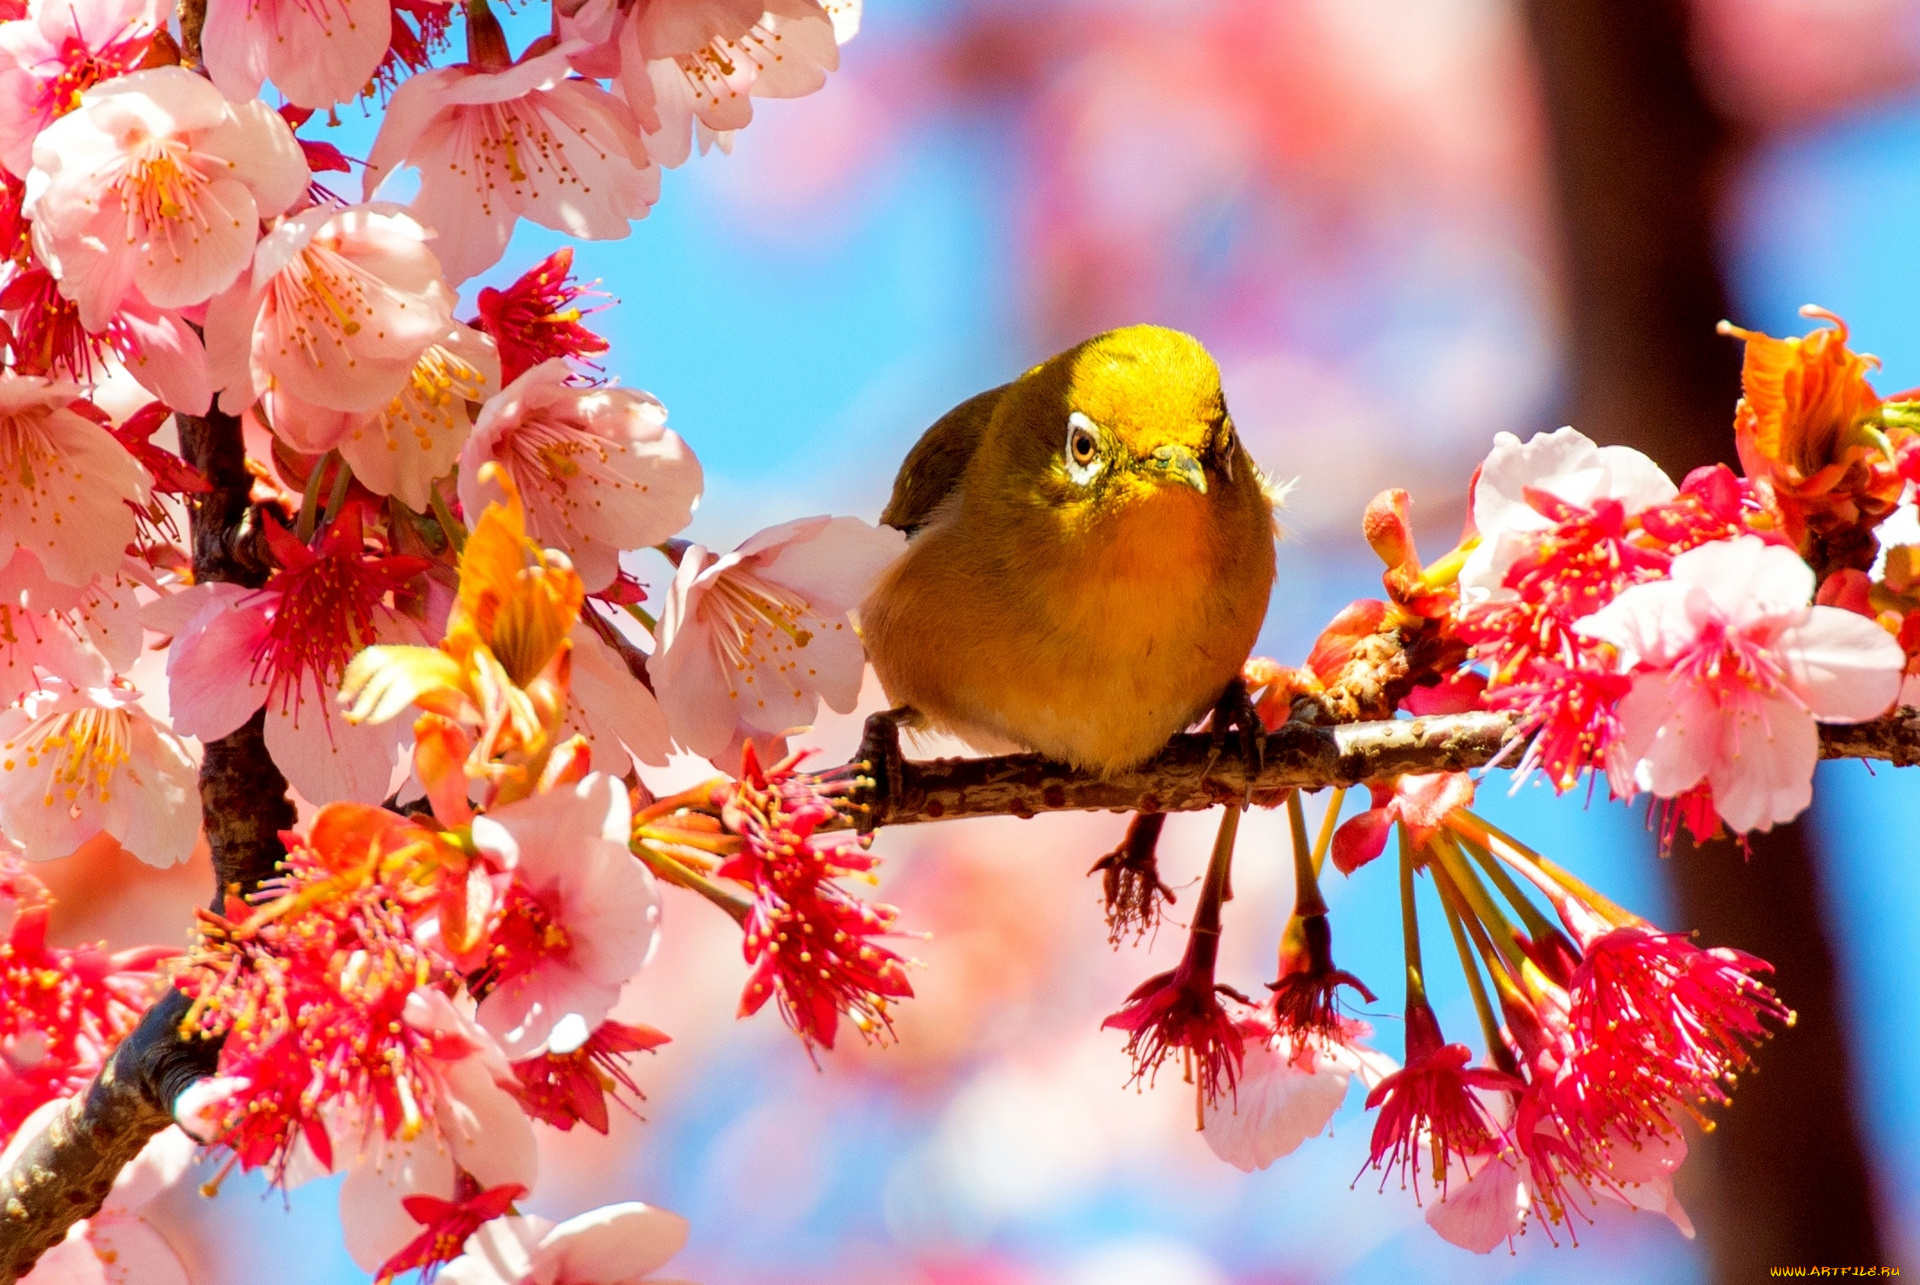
{"points": [[65, 1173], [1194, 772]]}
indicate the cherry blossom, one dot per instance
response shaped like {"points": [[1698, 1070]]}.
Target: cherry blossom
{"points": [[115, 1244], [60, 49], [597, 468], [498, 144], [157, 182], [478, 1128], [613, 707], [614, 1245], [403, 447], [1287, 1093], [697, 64], [580, 916], [65, 483], [316, 52], [285, 646], [565, 1089], [538, 316], [61, 1009], [752, 641], [1731, 668], [1418, 802], [1433, 1105], [812, 944], [336, 315], [78, 761], [1564, 464], [156, 348]]}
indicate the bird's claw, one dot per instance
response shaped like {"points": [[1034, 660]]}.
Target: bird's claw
{"points": [[880, 760], [1234, 714]]}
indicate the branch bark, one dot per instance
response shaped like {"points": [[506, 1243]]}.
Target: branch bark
{"points": [[1194, 772], [65, 1173]]}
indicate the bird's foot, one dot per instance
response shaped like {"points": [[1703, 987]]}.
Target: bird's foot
{"points": [[1234, 715], [880, 762]]}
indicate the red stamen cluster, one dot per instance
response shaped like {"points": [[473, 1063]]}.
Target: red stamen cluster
{"points": [[61, 1011], [565, 1089], [447, 1225], [421, 28], [1564, 687], [1430, 1104], [322, 606], [811, 943], [538, 317], [1655, 1022], [310, 991]]}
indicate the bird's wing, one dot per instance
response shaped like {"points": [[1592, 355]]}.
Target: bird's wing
{"points": [[933, 467]]}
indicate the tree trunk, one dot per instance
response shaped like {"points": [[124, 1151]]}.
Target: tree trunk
{"points": [[1637, 156]]}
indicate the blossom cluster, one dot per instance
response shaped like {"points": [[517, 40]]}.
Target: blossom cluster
{"points": [[446, 506], [1678, 640]]}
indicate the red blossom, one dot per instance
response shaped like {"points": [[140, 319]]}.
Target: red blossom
{"points": [[310, 992], [538, 317], [323, 605], [811, 943], [1655, 1021], [565, 1089], [171, 474], [61, 1010], [1306, 998], [419, 30], [1562, 686], [447, 1225], [1430, 1105]]}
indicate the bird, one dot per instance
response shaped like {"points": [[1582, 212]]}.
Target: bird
{"points": [[1090, 553]]}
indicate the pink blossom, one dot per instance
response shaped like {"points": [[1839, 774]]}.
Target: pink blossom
{"points": [[527, 141], [753, 641], [336, 315], [157, 182], [580, 916], [1564, 464], [316, 52], [1731, 669], [115, 1244], [1492, 1206], [1420, 803], [1287, 1093], [614, 707], [478, 1126], [61, 48], [65, 483], [78, 761], [614, 1245], [403, 447], [156, 348], [596, 468], [285, 646], [83, 636]]}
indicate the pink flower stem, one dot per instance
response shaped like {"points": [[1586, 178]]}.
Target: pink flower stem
{"points": [[674, 872], [1543, 874], [1410, 928], [487, 47], [1470, 966], [1307, 900], [1213, 892], [1328, 824], [1539, 926]]}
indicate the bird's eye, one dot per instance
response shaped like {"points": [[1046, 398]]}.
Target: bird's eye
{"points": [[1083, 444]]}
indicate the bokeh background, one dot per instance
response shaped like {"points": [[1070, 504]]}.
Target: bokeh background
{"points": [[1372, 212]]}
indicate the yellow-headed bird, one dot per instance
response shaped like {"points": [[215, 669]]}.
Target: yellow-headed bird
{"points": [[1091, 555]]}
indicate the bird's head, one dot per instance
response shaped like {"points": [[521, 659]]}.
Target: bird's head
{"points": [[1131, 416]]}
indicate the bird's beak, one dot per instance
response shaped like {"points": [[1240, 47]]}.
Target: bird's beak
{"points": [[1178, 464]]}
